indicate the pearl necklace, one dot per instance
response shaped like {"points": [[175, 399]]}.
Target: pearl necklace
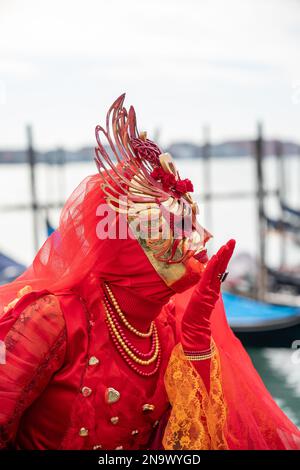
{"points": [[130, 353], [123, 318]]}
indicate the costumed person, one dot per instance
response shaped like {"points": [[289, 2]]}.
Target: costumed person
{"points": [[116, 336]]}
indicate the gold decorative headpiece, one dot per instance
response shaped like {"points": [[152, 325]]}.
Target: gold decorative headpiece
{"points": [[137, 174]]}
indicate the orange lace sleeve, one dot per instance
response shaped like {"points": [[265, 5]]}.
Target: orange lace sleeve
{"points": [[35, 348], [198, 418]]}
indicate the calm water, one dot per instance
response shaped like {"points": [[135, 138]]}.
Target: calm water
{"points": [[226, 219]]}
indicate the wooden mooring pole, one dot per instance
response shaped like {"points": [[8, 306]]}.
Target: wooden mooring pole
{"points": [[282, 195], [206, 155], [34, 205], [262, 273]]}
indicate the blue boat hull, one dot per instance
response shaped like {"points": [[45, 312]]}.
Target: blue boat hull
{"points": [[259, 324]]}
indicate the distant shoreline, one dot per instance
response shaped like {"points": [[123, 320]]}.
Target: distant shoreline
{"points": [[180, 150]]}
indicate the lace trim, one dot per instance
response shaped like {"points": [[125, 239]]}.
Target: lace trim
{"points": [[197, 420]]}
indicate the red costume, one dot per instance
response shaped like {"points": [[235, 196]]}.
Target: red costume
{"points": [[108, 345]]}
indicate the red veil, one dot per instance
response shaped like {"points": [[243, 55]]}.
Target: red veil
{"points": [[253, 420], [69, 253]]}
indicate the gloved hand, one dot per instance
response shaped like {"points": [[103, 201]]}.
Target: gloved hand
{"points": [[195, 327]]}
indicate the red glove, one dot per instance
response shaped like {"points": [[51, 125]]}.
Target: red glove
{"points": [[196, 328]]}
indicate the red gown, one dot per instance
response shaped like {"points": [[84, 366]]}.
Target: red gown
{"points": [[61, 366]]}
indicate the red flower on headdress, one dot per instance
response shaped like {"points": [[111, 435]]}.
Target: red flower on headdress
{"points": [[146, 150], [157, 173], [184, 186], [168, 181]]}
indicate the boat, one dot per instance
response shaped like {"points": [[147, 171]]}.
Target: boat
{"points": [[262, 324], [282, 225], [9, 269], [49, 227], [289, 210], [281, 279], [289, 227]]}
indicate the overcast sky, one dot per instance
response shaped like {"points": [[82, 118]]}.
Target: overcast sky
{"points": [[183, 63]]}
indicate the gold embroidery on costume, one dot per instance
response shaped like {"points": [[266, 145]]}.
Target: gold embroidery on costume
{"points": [[20, 294], [197, 419]]}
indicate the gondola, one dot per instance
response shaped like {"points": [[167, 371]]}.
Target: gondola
{"points": [[283, 225], [9, 269], [49, 227], [262, 324], [289, 210], [279, 279]]}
